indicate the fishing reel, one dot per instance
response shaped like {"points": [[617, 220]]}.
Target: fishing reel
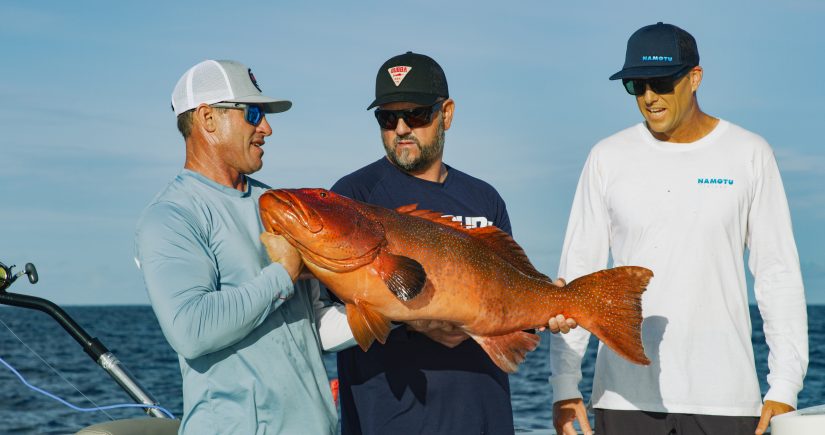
{"points": [[7, 277]]}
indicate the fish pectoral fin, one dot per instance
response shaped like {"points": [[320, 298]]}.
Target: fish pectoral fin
{"points": [[366, 324], [509, 350], [404, 276]]}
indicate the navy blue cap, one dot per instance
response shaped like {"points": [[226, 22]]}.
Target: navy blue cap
{"points": [[658, 50], [410, 78]]}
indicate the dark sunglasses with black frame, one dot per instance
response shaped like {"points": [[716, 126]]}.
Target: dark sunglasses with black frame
{"points": [[253, 114], [414, 118], [659, 85]]}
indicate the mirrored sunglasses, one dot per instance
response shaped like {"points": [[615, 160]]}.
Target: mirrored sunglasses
{"points": [[414, 118], [253, 114]]}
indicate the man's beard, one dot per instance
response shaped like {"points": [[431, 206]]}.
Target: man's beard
{"points": [[428, 153]]}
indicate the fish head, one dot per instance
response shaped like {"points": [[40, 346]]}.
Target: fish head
{"points": [[325, 227]]}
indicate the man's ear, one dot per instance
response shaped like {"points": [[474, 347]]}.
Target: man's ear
{"points": [[696, 77], [447, 110], [205, 117]]}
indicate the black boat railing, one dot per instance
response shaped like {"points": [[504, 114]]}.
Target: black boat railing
{"points": [[91, 345]]}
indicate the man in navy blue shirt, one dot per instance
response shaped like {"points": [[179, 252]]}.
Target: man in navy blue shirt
{"points": [[427, 378]]}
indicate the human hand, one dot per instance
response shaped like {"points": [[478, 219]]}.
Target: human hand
{"points": [[769, 410], [560, 324], [439, 331], [280, 251], [565, 412]]}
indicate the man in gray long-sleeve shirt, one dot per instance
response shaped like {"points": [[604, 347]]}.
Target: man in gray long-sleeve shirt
{"points": [[246, 336]]}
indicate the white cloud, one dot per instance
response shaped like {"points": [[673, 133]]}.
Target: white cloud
{"points": [[794, 159]]}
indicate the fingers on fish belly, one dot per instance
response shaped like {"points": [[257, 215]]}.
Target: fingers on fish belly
{"points": [[404, 276], [509, 350]]}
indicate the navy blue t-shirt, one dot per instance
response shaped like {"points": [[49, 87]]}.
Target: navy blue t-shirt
{"points": [[411, 384]]}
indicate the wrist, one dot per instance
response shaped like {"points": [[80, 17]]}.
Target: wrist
{"points": [[280, 281]]}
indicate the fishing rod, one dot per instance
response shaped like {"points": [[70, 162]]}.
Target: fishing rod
{"points": [[93, 347]]}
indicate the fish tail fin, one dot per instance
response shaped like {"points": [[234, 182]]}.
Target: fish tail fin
{"points": [[509, 350], [367, 325], [608, 303]]}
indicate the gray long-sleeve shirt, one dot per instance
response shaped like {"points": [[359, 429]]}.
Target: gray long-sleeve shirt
{"points": [[247, 340]]}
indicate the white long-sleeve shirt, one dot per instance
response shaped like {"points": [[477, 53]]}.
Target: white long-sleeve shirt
{"points": [[687, 211]]}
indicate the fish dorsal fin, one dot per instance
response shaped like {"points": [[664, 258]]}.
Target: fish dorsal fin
{"points": [[406, 208], [505, 247], [497, 240], [430, 215]]}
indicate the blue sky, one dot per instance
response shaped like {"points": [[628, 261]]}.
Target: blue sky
{"points": [[88, 137]]}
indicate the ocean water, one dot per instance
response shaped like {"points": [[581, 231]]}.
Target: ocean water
{"points": [[133, 335]]}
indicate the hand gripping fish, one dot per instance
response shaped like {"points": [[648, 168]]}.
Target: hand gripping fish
{"points": [[410, 264]]}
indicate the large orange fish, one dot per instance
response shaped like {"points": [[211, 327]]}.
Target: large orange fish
{"points": [[409, 264]]}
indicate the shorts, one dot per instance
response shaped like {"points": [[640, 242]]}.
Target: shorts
{"points": [[614, 422]]}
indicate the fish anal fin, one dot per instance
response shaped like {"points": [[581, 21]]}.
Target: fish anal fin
{"points": [[404, 276], [366, 324], [509, 350]]}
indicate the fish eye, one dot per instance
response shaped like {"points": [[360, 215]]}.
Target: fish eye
{"points": [[323, 194]]}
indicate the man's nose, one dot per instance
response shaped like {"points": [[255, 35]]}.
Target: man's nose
{"points": [[264, 127], [402, 129], [649, 95]]}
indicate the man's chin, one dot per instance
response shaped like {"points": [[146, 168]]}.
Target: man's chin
{"points": [[253, 168], [406, 162]]}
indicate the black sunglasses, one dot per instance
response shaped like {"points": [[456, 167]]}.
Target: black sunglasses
{"points": [[659, 85], [251, 113], [414, 118]]}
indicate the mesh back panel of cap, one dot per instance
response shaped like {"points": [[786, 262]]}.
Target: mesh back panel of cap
{"points": [[210, 84]]}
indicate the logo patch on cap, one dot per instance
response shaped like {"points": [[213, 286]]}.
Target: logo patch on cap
{"points": [[252, 77], [398, 73], [657, 58]]}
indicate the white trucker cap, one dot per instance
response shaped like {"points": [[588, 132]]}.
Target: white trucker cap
{"points": [[216, 81]]}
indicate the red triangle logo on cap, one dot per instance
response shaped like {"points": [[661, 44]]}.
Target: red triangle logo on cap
{"points": [[398, 73]]}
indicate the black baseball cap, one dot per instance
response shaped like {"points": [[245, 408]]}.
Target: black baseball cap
{"points": [[658, 50], [410, 77]]}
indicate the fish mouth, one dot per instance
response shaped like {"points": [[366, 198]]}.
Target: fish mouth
{"points": [[290, 209]]}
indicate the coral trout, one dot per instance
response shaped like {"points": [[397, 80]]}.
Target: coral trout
{"points": [[410, 264]]}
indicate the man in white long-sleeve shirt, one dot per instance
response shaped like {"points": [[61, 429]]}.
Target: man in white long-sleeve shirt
{"points": [[249, 340], [684, 194]]}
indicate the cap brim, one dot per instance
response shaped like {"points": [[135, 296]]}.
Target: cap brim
{"points": [[406, 97], [647, 72], [269, 104]]}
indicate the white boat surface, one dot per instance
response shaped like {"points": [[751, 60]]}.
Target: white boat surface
{"points": [[805, 421]]}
